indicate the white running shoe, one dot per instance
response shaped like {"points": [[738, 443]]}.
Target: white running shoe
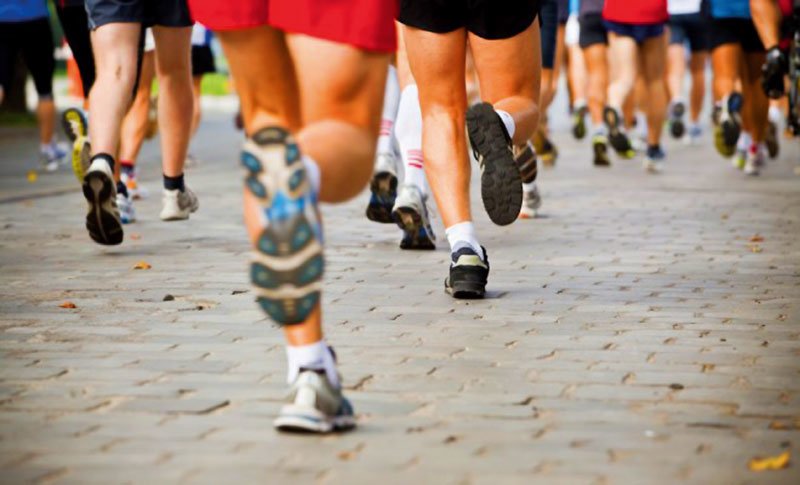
{"points": [[756, 157], [102, 218], [315, 406], [131, 182], [178, 205], [531, 202], [410, 212], [127, 213]]}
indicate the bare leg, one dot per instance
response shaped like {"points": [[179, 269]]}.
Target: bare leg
{"points": [[576, 70], [196, 82], [725, 62], [676, 70], [175, 103], [767, 18], [597, 78], [697, 67], [754, 96], [115, 52], [438, 65], [46, 118], [134, 125], [652, 58], [623, 59]]}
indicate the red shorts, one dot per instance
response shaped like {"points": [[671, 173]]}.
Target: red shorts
{"points": [[366, 24]]}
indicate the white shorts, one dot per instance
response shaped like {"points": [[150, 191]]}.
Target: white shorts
{"points": [[573, 31]]}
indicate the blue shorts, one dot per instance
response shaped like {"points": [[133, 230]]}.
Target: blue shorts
{"points": [[637, 32]]}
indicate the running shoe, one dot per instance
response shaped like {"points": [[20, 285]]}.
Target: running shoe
{"points": [[773, 72], [755, 159], [654, 159], [531, 202], [616, 136], [76, 127], [383, 188], [525, 157], [49, 161], [600, 149], [288, 263], [410, 212], [730, 122], [695, 132], [468, 274], [315, 406], [152, 118], [131, 181], [771, 140], [545, 149], [579, 122], [176, 205], [676, 125], [103, 218], [127, 214], [501, 185]]}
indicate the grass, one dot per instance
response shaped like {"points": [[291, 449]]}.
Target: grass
{"points": [[10, 118]]}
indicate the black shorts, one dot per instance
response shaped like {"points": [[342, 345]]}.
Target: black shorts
{"points": [[593, 31], [548, 23], [75, 25], [691, 28], [488, 19], [563, 12], [34, 40], [202, 60], [735, 31], [166, 13]]}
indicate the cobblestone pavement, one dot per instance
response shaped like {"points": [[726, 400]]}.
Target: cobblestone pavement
{"points": [[646, 329]]}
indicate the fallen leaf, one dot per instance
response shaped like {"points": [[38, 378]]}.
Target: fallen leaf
{"points": [[142, 265], [136, 237], [757, 238], [770, 463], [68, 304], [32, 176], [754, 248]]}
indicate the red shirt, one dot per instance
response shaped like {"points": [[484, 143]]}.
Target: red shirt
{"points": [[636, 11]]}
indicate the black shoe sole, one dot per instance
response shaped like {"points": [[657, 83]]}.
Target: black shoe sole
{"points": [[579, 126], [384, 192], [410, 222], [104, 227], [501, 184], [730, 132], [618, 140], [676, 126], [771, 140], [465, 290]]}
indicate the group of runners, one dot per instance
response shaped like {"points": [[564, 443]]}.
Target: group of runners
{"points": [[335, 96]]}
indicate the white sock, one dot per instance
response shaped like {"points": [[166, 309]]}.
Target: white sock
{"points": [[461, 234], [744, 141], [529, 186], [578, 104], [391, 99], [312, 171], [508, 121], [316, 356], [775, 114], [408, 131]]}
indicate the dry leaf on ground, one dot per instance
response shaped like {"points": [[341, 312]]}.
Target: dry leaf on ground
{"points": [[136, 237], [142, 265], [757, 238], [770, 463], [68, 304], [32, 176]]}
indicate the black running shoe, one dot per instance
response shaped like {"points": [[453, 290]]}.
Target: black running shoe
{"points": [[501, 185], [771, 140], [731, 120], [600, 150], [579, 122], [468, 274], [618, 139]]}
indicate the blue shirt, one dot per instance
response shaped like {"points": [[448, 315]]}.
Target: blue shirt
{"points": [[727, 9], [22, 10]]}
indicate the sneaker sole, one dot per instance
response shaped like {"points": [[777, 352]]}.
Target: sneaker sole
{"points": [[307, 422], [415, 234], [70, 118], [102, 223], [80, 157], [465, 290], [501, 184], [730, 132], [771, 140], [618, 140], [288, 266], [601, 155], [579, 126], [723, 148], [384, 192]]}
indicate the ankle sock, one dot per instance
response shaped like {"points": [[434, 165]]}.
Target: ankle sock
{"points": [[312, 172], [461, 234], [508, 121], [127, 167], [316, 356], [105, 156], [174, 183], [408, 131]]}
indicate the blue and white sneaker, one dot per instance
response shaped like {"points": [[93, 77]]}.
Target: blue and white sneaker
{"points": [[315, 406], [288, 263], [654, 159]]}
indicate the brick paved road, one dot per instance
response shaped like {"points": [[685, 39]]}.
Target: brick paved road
{"points": [[634, 334]]}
